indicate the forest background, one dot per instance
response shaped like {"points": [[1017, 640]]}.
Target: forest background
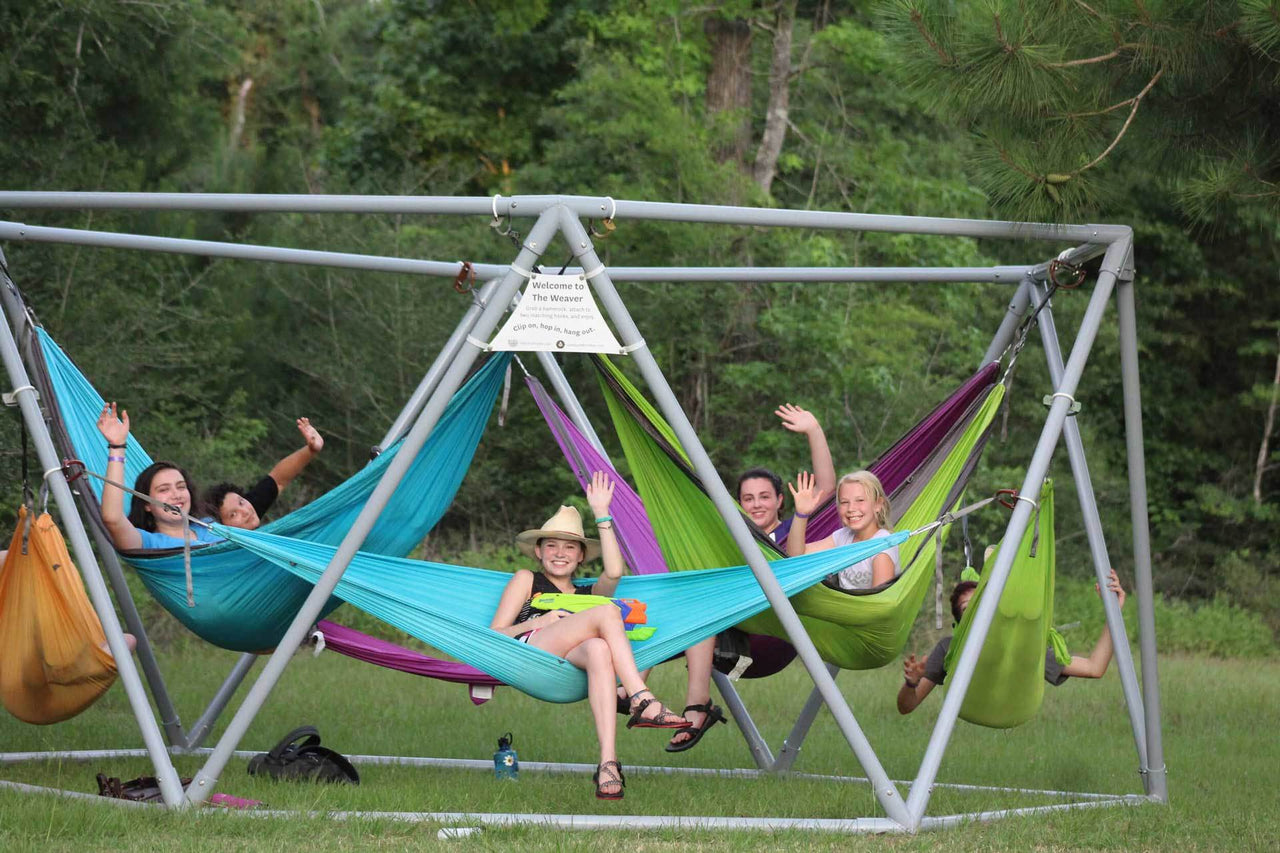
{"points": [[1160, 115]]}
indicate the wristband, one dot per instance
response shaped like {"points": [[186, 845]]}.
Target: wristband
{"points": [[115, 459], [909, 684], [111, 446], [803, 514], [602, 519]]}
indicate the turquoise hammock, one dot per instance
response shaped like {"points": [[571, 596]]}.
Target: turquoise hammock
{"points": [[242, 602], [853, 630], [1008, 682], [450, 607]]}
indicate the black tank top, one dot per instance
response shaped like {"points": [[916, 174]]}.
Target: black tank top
{"points": [[541, 583]]}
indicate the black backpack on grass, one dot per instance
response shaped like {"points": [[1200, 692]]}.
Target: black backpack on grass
{"points": [[300, 757]]}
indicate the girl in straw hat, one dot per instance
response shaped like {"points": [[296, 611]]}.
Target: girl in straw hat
{"points": [[593, 640]]}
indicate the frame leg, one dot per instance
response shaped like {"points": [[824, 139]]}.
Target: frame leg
{"points": [[799, 731], [1155, 782], [203, 783], [170, 786], [1097, 542]]}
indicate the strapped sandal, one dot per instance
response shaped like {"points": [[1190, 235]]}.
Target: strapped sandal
{"points": [[665, 719], [714, 715], [608, 775]]}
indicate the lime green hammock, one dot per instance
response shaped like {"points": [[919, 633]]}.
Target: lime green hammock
{"points": [[1008, 682], [852, 631]]}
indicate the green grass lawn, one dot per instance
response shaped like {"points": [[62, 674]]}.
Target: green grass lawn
{"points": [[1221, 747]]}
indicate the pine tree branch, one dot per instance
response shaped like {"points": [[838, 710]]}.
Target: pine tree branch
{"points": [[918, 20], [1137, 101], [1093, 59], [1089, 9]]}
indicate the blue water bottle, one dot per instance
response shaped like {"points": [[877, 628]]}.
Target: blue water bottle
{"points": [[505, 763]]}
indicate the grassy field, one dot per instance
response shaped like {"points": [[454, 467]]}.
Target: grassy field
{"points": [[1221, 749]]}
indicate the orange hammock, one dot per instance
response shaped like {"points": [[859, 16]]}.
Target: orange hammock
{"points": [[53, 663]]}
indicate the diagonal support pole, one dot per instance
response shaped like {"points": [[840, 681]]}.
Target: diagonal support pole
{"points": [[999, 342], [203, 783], [1093, 529], [921, 788], [418, 399], [756, 744], [580, 243], [170, 786]]}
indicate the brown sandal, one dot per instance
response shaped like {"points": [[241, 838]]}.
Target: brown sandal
{"points": [[664, 719], [605, 776]]}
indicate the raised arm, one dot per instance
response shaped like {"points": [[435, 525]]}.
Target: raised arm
{"points": [[915, 687], [806, 497], [1095, 665], [797, 419], [115, 429], [291, 466], [600, 496]]}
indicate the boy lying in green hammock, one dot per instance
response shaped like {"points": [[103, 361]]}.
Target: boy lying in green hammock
{"points": [[921, 674]]}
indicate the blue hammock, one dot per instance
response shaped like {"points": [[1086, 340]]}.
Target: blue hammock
{"points": [[415, 597], [243, 602]]}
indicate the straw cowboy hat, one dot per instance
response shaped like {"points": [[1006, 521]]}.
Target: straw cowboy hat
{"points": [[565, 524]]}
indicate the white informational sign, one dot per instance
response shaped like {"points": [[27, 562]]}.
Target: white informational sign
{"points": [[556, 313]]}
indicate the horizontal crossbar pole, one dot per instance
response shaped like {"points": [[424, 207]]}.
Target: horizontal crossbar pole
{"points": [[19, 231], [586, 206]]}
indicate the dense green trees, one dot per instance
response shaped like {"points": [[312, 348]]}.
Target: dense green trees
{"points": [[834, 105]]}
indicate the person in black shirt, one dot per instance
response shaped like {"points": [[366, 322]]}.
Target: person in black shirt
{"points": [[245, 508]]}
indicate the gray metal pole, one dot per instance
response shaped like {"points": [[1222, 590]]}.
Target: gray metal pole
{"points": [[580, 244], [568, 399], [756, 744], [200, 728], [1097, 541], [203, 783], [1156, 783], [1003, 336], [238, 251], [170, 787], [115, 575], [589, 206], [479, 301], [918, 799], [1009, 323], [445, 269], [800, 730]]}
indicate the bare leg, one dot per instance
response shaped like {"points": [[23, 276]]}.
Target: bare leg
{"points": [[698, 660], [604, 623], [594, 658]]}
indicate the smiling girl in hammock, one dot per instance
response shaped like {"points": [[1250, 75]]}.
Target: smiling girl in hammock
{"points": [[593, 640], [864, 512]]}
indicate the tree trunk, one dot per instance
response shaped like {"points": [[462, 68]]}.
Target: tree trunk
{"points": [[729, 84], [1268, 425], [775, 123]]}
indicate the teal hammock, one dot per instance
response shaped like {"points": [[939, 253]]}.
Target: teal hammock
{"points": [[242, 601], [450, 607]]}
